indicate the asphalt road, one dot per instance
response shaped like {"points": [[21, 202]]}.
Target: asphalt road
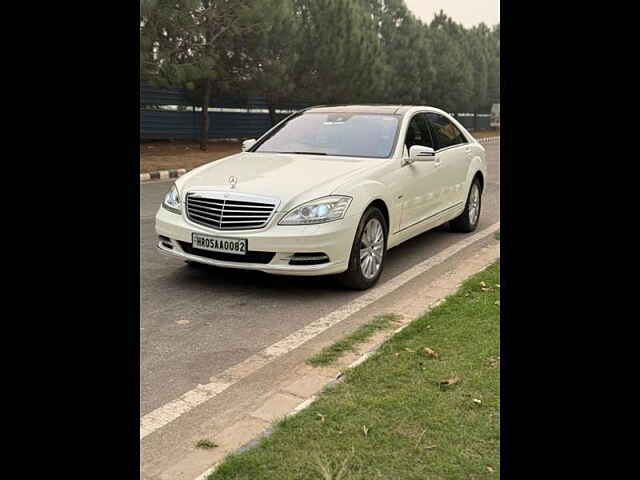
{"points": [[195, 323]]}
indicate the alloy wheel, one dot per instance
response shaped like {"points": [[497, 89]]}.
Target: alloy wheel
{"points": [[474, 204], [371, 248]]}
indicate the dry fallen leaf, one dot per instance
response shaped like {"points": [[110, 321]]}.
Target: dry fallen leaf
{"points": [[409, 350], [497, 302], [365, 430], [420, 437], [321, 416], [477, 401], [430, 352], [482, 284], [489, 469], [450, 381]]}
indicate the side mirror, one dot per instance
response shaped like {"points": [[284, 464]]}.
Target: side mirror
{"points": [[247, 144], [419, 153]]}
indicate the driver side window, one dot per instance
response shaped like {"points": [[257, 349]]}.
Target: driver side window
{"points": [[418, 133]]}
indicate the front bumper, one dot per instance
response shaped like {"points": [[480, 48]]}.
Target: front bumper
{"points": [[334, 239]]}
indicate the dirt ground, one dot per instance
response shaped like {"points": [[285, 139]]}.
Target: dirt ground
{"points": [[495, 132], [165, 155]]}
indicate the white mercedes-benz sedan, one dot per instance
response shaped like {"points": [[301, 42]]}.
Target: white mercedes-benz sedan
{"points": [[327, 191]]}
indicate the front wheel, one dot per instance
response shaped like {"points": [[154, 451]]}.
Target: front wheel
{"points": [[367, 252], [468, 219]]}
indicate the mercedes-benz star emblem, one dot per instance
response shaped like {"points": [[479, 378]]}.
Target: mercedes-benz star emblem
{"points": [[233, 181]]}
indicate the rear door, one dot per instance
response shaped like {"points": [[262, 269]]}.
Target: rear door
{"points": [[454, 153]]}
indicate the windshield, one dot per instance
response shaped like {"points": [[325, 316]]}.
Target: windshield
{"points": [[341, 134]]}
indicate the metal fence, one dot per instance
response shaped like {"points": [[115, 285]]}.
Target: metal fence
{"points": [[474, 121], [170, 113]]}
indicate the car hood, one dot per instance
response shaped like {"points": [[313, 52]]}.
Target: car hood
{"points": [[291, 178]]}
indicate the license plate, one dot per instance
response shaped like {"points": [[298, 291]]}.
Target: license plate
{"points": [[219, 244]]}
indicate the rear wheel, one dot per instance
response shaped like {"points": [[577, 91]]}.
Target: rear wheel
{"points": [[367, 252], [467, 221]]}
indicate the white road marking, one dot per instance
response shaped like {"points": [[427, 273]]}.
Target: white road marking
{"points": [[167, 413]]}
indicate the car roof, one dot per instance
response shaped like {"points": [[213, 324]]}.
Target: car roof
{"points": [[381, 109]]}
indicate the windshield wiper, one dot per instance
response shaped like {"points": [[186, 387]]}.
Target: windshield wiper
{"points": [[307, 153]]}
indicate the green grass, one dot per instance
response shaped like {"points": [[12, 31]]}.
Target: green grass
{"points": [[498, 235], [406, 413], [330, 354], [205, 444]]}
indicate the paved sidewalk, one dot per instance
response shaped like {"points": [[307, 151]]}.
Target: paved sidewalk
{"points": [[300, 388]]}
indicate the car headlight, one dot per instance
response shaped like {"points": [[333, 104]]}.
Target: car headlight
{"points": [[172, 200], [322, 210]]}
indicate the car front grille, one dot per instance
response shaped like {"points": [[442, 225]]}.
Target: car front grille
{"points": [[228, 211]]}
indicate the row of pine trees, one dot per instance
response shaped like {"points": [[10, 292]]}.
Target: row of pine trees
{"points": [[322, 51]]}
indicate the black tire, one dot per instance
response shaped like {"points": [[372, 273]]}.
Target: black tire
{"points": [[354, 277], [463, 222]]}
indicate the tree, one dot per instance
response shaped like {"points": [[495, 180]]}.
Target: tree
{"points": [[453, 85], [323, 51], [269, 54], [476, 46], [407, 54], [339, 51], [493, 66], [189, 43]]}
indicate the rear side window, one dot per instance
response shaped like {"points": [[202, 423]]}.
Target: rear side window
{"points": [[445, 133]]}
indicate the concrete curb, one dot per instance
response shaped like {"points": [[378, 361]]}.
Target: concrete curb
{"points": [[166, 174], [301, 393], [162, 174], [489, 140]]}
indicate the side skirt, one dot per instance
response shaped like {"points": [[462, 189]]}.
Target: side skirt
{"points": [[425, 224]]}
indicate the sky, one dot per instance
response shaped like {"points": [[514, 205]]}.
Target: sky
{"points": [[466, 12]]}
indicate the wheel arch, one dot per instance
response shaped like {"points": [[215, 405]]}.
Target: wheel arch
{"points": [[480, 176], [382, 206], [477, 169]]}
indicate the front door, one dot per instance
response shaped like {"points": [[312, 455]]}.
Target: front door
{"points": [[422, 180]]}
